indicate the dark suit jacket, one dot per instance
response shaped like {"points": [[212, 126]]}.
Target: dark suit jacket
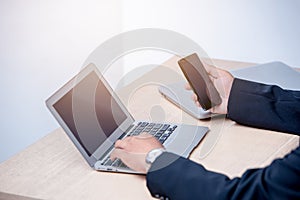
{"points": [[251, 104]]}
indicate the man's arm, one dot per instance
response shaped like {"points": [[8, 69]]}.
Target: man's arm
{"points": [[253, 104], [264, 106], [179, 178]]}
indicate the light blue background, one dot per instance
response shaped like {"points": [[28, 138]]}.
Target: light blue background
{"points": [[44, 43]]}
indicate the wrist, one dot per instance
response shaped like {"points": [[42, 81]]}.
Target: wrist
{"points": [[152, 156]]}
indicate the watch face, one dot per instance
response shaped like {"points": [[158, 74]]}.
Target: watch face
{"points": [[153, 154]]}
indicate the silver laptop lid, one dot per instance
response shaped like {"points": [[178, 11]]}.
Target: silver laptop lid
{"points": [[273, 73], [90, 113]]}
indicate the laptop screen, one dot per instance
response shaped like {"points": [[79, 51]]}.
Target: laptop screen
{"points": [[90, 112]]}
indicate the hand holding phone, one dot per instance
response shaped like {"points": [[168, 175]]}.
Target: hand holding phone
{"points": [[199, 80]]}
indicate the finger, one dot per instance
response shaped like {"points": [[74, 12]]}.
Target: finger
{"points": [[117, 153], [219, 109], [194, 97], [135, 161], [216, 109], [207, 65], [188, 86], [121, 144], [211, 69]]}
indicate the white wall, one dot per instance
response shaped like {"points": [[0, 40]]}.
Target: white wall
{"points": [[43, 44], [256, 31]]}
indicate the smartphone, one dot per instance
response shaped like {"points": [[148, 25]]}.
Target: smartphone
{"points": [[198, 78]]}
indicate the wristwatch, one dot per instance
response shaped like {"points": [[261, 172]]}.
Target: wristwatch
{"points": [[152, 155]]}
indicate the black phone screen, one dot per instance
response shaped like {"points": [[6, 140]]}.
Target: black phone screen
{"points": [[198, 78]]}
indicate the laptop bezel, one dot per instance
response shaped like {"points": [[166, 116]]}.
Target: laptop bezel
{"points": [[104, 147]]}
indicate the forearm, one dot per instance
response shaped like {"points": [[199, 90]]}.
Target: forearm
{"points": [[179, 178], [264, 106]]}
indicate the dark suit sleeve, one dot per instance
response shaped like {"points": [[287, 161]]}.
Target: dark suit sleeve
{"points": [[174, 177], [252, 104], [264, 106]]}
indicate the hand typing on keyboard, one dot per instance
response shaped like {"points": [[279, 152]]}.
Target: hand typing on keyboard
{"points": [[132, 150]]}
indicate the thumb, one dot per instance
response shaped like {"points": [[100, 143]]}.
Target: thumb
{"points": [[211, 69], [117, 153]]}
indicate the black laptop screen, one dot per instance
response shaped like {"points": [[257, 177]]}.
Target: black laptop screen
{"points": [[90, 112]]}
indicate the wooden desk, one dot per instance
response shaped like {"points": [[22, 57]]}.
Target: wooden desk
{"points": [[52, 168]]}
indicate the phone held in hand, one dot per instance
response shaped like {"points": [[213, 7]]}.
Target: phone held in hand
{"points": [[198, 78]]}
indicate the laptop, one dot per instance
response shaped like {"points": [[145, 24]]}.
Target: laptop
{"points": [[94, 118], [273, 73]]}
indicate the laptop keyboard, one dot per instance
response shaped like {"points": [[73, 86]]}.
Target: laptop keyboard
{"points": [[160, 131]]}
